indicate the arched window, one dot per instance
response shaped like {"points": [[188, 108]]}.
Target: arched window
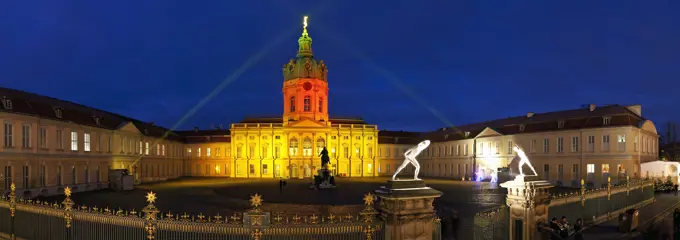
{"points": [[369, 150], [357, 150], [320, 143], [307, 147], [292, 104], [320, 104], [293, 147], [308, 103]]}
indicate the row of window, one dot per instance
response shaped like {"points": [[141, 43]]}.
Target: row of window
{"points": [[307, 104], [276, 150], [26, 176], [27, 141], [294, 139], [490, 148], [102, 143]]}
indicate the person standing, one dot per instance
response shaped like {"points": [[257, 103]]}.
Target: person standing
{"points": [[564, 228], [578, 229], [554, 229]]}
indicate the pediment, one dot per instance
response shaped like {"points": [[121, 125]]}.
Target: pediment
{"points": [[129, 127], [307, 123], [489, 132]]}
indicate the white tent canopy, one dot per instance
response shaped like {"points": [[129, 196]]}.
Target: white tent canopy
{"points": [[660, 169]]}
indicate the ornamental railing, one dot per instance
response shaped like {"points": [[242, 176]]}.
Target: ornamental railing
{"points": [[28, 219]]}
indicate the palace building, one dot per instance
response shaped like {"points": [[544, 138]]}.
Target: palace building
{"points": [[48, 143]]}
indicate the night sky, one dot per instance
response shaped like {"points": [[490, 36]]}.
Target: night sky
{"points": [[404, 65]]}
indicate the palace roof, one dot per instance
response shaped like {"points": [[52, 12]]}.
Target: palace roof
{"points": [[588, 116]]}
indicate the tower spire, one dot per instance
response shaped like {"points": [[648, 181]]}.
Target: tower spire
{"points": [[305, 42]]}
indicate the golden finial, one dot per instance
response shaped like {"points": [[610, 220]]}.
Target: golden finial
{"points": [[151, 197], [304, 22], [12, 187], [256, 200], [368, 199], [67, 191]]}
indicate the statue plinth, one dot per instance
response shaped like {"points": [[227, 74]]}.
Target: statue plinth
{"points": [[406, 207], [528, 201]]}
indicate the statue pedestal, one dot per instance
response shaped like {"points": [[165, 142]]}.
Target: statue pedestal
{"points": [[406, 207], [528, 202], [324, 178]]}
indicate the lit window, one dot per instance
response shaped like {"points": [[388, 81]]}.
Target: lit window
{"points": [[307, 147], [307, 104], [74, 141], [146, 148], [86, 142], [158, 149], [606, 120], [293, 147], [292, 104], [207, 152], [621, 143], [591, 168]]}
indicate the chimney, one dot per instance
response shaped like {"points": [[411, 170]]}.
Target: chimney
{"points": [[530, 114], [220, 127], [591, 107], [195, 129], [637, 109], [443, 129], [153, 124]]}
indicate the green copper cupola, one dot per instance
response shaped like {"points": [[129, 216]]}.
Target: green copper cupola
{"points": [[304, 65], [305, 42]]}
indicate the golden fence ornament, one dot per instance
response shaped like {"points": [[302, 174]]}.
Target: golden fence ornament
{"points": [[68, 206], [369, 232], [256, 202], [150, 215], [583, 193], [256, 234], [609, 188], [12, 207]]}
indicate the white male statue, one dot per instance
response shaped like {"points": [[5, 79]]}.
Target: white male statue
{"points": [[523, 159], [410, 157]]}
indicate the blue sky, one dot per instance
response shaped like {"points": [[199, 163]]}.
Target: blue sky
{"points": [[404, 65]]}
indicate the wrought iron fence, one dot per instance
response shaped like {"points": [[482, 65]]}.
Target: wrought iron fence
{"points": [[27, 219], [492, 224]]}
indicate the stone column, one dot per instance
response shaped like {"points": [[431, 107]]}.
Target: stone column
{"points": [[528, 201], [406, 207]]}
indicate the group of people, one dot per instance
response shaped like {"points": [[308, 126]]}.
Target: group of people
{"points": [[560, 229]]}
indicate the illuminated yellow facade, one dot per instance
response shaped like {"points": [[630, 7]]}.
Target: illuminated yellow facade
{"points": [[289, 146]]}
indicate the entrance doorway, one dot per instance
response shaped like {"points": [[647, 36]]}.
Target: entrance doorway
{"points": [[294, 171]]}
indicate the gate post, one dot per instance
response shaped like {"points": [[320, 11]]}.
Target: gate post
{"points": [[406, 207], [528, 202], [12, 209]]}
